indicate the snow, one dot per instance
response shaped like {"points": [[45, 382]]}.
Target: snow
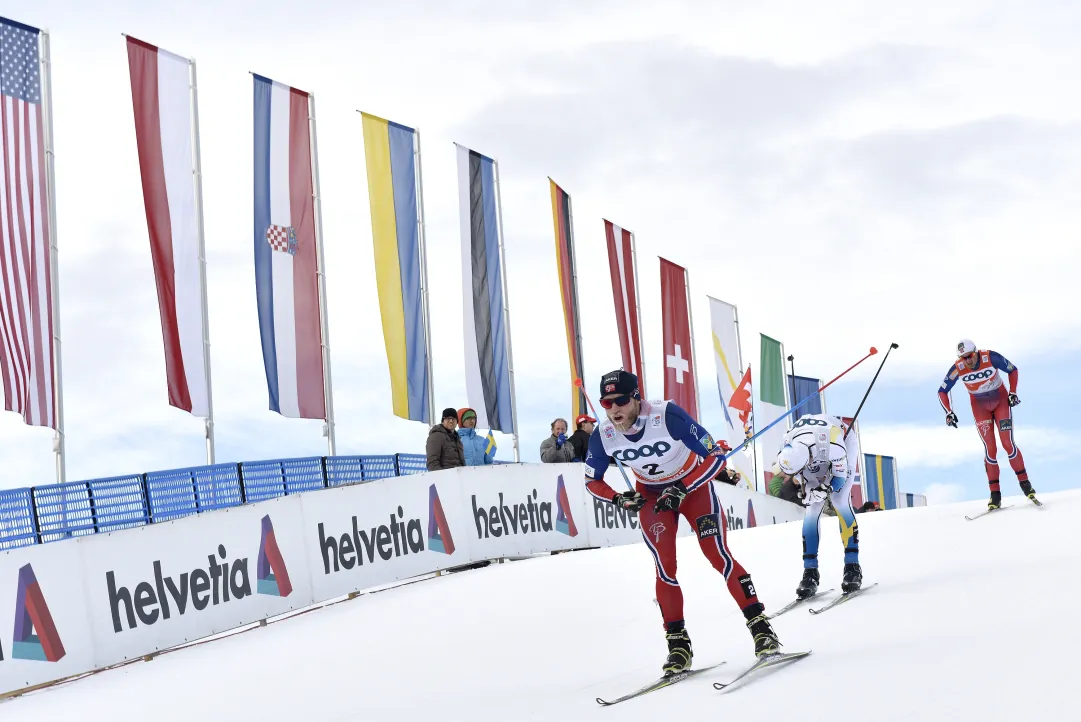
{"points": [[971, 620]]}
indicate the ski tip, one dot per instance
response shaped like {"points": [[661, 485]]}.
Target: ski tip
{"points": [[719, 685], [602, 703]]}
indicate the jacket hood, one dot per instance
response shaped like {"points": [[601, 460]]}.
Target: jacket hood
{"points": [[467, 433]]}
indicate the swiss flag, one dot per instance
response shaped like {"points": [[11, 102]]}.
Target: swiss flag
{"points": [[679, 383]]}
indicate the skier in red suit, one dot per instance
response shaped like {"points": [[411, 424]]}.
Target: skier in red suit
{"points": [[981, 373]]}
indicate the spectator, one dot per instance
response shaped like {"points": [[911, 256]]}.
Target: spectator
{"points": [[583, 426], [868, 506], [444, 448], [555, 449], [785, 487], [475, 445]]}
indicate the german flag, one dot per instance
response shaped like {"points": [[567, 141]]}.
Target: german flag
{"points": [[568, 289]]}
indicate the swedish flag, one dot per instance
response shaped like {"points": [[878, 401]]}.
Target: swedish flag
{"points": [[490, 450]]}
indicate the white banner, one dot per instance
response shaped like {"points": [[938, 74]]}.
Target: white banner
{"points": [[44, 626], [730, 369], [86, 603], [364, 536], [160, 585]]}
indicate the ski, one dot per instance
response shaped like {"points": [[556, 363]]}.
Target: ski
{"points": [[842, 599], [659, 684], [1035, 501], [792, 605], [771, 660], [985, 512]]}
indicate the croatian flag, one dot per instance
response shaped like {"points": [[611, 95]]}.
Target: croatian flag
{"points": [[286, 256]]}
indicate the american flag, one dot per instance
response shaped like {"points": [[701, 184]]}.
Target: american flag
{"points": [[26, 292]]}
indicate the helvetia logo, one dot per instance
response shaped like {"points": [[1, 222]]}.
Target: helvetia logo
{"points": [[750, 514], [439, 538], [272, 577], [35, 635], [564, 519]]}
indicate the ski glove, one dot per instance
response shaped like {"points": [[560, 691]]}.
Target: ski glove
{"points": [[951, 419], [818, 495], [670, 498], [1013, 400], [629, 500]]}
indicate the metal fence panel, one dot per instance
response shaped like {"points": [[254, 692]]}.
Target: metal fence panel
{"points": [[262, 480], [170, 494], [64, 510], [344, 470], [412, 464], [217, 487], [303, 474], [17, 519], [378, 467], [119, 502]]}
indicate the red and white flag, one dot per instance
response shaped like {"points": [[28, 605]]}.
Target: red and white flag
{"points": [[26, 286], [161, 96], [624, 267], [679, 382]]}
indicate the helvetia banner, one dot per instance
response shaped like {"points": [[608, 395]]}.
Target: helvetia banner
{"points": [[161, 585]]}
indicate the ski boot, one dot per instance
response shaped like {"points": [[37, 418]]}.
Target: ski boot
{"points": [[853, 578], [765, 639], [996, 500], [1027, 490], [808, 585], [679, 650]]}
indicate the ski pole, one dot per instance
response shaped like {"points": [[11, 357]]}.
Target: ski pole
{"points": [[581, 386], [801, 403], [858, 408]]}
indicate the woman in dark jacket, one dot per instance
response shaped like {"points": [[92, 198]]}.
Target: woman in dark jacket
{"points": [[444, 448]]}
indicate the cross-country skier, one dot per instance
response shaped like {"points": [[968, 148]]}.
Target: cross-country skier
{"points": [[673, 460], [817, 454], [991, 405]]}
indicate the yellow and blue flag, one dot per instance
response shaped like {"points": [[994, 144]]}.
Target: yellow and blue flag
{"points": [[880, 473], [391, 155], [490, 449]]}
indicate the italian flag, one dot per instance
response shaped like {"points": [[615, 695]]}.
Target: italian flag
{"points": [[770, 403]]}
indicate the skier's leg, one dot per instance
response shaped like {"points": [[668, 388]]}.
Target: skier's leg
{"points": [[1004, 417], [846, 518], [810, 534], [659, 531], [985, 425], [703, 509]]}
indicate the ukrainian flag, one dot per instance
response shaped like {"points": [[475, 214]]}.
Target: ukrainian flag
{"points": [[392, 156]]}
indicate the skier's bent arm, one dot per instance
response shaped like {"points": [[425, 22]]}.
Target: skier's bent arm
{"points": [[597, 461]]}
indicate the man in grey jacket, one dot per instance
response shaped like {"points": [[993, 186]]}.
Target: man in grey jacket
{"points": [[557, 449]]}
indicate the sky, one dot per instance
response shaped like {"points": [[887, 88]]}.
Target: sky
{"points": [[847, 174]]}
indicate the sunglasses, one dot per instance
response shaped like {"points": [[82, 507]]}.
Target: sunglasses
{"points": [[617, 401]]}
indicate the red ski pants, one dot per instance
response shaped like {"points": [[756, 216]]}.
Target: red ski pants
{"points": [[702, 509], [989, 412]]}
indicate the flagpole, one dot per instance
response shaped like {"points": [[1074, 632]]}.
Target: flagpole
{"points": [[198, 179], [506, 311], [694, 356], [422, 247], [321, 276], [754, 444], [59, 440], [638, 310]]}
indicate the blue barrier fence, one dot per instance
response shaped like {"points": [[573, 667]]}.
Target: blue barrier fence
{"points": [[43, 514]]}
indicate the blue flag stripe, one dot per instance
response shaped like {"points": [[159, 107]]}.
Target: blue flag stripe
{"points": [[264, 277]]}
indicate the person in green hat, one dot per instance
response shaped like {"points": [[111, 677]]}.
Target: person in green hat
{"points": [[479, 450]]}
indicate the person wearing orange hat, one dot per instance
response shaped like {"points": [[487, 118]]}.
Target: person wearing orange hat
{"points": [[475, 446], [583, 426]]}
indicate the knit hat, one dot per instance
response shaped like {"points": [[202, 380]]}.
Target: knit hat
{"points": [[466, 413], [449, 414]]}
